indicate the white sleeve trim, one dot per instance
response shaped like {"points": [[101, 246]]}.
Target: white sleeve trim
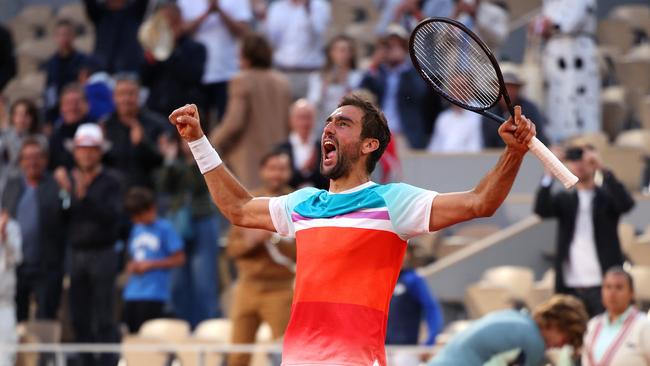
{"points": [[278, 212]]}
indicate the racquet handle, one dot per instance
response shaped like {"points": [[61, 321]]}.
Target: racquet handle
{"points": [[552, 163]]}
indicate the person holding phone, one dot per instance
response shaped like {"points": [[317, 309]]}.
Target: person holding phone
{"points": [[588, 216]]}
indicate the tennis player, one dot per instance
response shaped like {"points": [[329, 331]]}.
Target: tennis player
{"points": [[350, 240]]}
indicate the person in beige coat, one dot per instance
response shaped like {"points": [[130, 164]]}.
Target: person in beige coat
{"points": [[621, 335], [265, 265], [257, 111]]}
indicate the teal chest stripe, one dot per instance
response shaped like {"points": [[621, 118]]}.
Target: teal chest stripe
{"points": [[324, 205]]}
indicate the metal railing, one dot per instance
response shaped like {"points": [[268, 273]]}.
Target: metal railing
{"points": [[58, 352]]}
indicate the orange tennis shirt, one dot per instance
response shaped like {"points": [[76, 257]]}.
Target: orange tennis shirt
{"points": [[350, 247]]}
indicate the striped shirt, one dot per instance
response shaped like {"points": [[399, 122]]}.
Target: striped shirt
{"points": [[350, 247]]}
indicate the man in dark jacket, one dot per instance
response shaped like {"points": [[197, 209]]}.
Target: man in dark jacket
{"points": [[587, 237], [94, 217], [514, 82], [73, 108], [177, 80], [32, 199], [116, 33], [63, 67], [7, 58], [133, 134], [409, 104]]}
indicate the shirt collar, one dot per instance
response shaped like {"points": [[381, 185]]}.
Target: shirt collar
{"points": [[357, 188], [294, 139], [621, 319]]}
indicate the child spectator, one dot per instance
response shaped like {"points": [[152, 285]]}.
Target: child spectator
{"points": [[10, 257], [154, 248]]}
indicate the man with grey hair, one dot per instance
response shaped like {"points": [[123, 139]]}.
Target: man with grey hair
{"points": [[133, 132]]}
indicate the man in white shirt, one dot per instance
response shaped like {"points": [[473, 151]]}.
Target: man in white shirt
{"points": [[217, 24], [587, 243], [457, 130], [296, 29]]}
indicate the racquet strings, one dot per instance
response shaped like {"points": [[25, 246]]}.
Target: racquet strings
{"points": [[456, 65]]}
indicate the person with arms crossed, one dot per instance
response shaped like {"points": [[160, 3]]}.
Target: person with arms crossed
{"points": [[343, 286]]}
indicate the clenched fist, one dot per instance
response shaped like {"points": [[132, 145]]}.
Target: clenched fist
{"points": [[187, 122]]}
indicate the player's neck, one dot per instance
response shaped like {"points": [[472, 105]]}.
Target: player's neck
{"points": [[348, 182]]}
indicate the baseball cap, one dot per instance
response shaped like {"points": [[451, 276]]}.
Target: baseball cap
{"points": [[511, 73], [88, 135]]}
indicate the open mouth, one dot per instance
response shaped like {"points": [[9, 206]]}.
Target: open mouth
{"points": [[329, 152]]}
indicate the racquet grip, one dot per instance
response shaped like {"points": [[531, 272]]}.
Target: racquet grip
{"points": [[552, 163]]}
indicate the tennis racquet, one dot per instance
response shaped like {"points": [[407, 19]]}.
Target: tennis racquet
{"points": [[463, 70]]}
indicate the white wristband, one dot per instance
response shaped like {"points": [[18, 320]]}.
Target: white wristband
{"points": [[205, 155]]}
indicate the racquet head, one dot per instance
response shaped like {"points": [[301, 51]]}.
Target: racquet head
{"points": [[457, 64]]}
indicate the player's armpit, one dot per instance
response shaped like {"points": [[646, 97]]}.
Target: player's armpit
{"points": [[451, 208]]}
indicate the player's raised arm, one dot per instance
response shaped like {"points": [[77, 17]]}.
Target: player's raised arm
{"points": [[234, 201], [451, 208]]}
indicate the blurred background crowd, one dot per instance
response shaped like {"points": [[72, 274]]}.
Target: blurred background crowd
{"points": [[106, 222]]}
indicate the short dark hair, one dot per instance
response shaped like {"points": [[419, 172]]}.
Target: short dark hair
{"points": [[272, 154], [257, 50], [374, 125], [32, 110], [33, 141], [618, 270], [138, 200], [73, 87]]}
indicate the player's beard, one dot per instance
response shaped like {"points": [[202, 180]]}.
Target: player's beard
{"points": [[345, 158]]}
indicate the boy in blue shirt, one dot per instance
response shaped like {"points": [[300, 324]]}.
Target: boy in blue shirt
{"points": [[154, 248]]}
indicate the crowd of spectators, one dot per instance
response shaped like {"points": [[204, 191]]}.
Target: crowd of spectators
{"points": [[94, 181]]}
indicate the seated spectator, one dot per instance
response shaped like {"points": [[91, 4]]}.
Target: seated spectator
{"points": [[621, 335], [195, 285], [74, 111], [408, 13], [296, 29], [338, 78], [133, 133], [7, 58], [303, 150], [10, 257], [517, 338], [63, 67], [411, 302], [409, 104], [265, 266], [218, 25], [23, 123], [94, 219], [176, 80], [514, 83], [116, 28], [257, 112], [32, 199], [457, 130], [154, 248], [98, 87], [587, 239]]}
